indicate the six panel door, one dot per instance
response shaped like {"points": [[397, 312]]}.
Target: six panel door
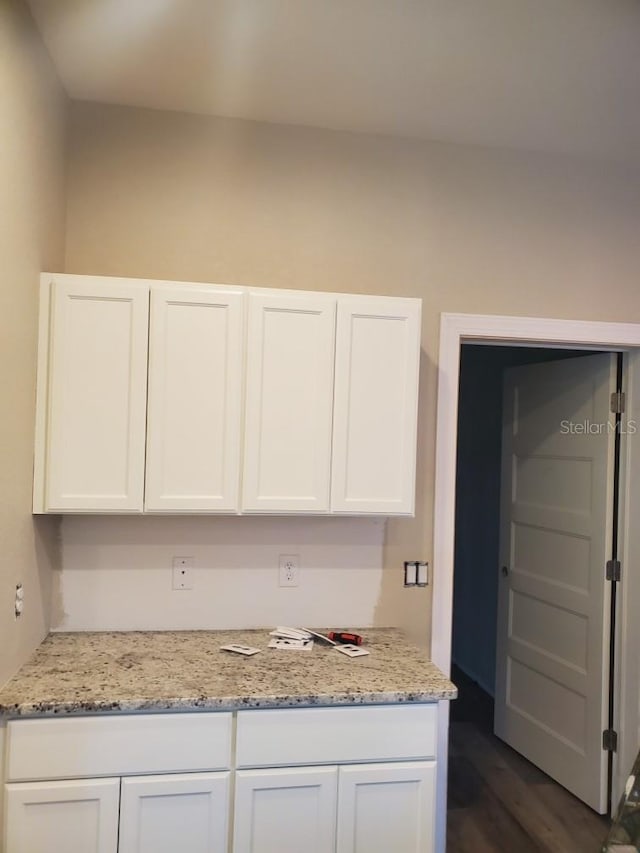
{"points": [[63, 817], [196, 346]]}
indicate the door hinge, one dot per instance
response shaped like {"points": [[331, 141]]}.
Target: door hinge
{"points": [[618, 402], [610, 740], [614, 570]]}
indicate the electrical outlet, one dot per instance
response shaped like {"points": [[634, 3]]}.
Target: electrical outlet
{"points": [[182, 577], [289, 570], [19, 601]]}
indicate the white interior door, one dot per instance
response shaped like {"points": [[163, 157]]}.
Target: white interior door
{"points": [[556, 519]]}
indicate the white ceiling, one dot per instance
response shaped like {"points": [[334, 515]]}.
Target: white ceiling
{"points": [[557, 75]]}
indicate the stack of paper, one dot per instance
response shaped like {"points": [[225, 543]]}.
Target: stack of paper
{"points": [[294, 639]]}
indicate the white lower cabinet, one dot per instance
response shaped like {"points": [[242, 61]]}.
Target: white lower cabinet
{"points": [[166, 814], [371, 808], [63, 817], [150, 814], [305, 780], [286, 810], [383, 807]]}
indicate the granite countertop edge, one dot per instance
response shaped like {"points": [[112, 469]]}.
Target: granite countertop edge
{"points": [[212, 703], [155, 672]]}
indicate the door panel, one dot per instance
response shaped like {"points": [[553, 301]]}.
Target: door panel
{"points": [[387, 807], [97, 396], [289, 403], [195, 399], [556, 517], [175, 814], [376, 406], [63, 817], [285, 811]]}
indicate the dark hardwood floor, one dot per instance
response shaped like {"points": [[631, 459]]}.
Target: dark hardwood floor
{"points": [[498, 801]]}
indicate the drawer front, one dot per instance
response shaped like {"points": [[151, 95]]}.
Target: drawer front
{"points": [[336, 735], [117, 745]]}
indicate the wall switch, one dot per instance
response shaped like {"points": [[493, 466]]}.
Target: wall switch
{"points": [[182, 577], [410, 572], [416, 573], [289, 570]]}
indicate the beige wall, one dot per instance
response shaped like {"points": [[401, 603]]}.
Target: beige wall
{"points": [[117, 573], [467, 229], [32, 112]]}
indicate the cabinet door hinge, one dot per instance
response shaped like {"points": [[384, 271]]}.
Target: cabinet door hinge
{"points": [[614, 570], [610, 740], [618, 402]]}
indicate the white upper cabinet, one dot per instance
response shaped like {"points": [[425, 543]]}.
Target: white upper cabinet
{"points": [[245, 400], [195, 399], [376, 405], [290, 356], [96, 365]]}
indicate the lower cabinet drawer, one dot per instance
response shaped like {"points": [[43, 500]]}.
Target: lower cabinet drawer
{"points": [[117, 746], [286, 737]]}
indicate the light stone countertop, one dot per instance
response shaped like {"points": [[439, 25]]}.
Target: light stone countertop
{"points": [[82, 673]]}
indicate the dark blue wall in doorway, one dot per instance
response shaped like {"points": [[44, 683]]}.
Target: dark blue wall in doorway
{"points": [[476, 567]]}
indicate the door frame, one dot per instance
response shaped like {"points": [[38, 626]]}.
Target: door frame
{"points": [[456, 329]]}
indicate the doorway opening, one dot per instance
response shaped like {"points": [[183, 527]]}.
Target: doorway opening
{"points": [[536, 609], [455, 330]]}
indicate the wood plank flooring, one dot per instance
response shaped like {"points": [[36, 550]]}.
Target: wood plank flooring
{"points": [[498, 801]]}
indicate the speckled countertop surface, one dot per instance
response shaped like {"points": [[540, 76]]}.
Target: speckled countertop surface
{"points": [[80, 673]]}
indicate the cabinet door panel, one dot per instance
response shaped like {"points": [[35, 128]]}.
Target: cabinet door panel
{"points": [[166, 814], [285, 811], [195, 396], [97, 396], [289, 403], [63, 817], [385, 807], [376, 406]]}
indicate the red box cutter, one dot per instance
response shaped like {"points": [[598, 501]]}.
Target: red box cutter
{"points": [[345, 637]]}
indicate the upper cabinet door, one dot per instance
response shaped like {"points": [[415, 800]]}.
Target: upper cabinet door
{"points": [[196, 345], [97, 392], [376, 405], [290, 355]]}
